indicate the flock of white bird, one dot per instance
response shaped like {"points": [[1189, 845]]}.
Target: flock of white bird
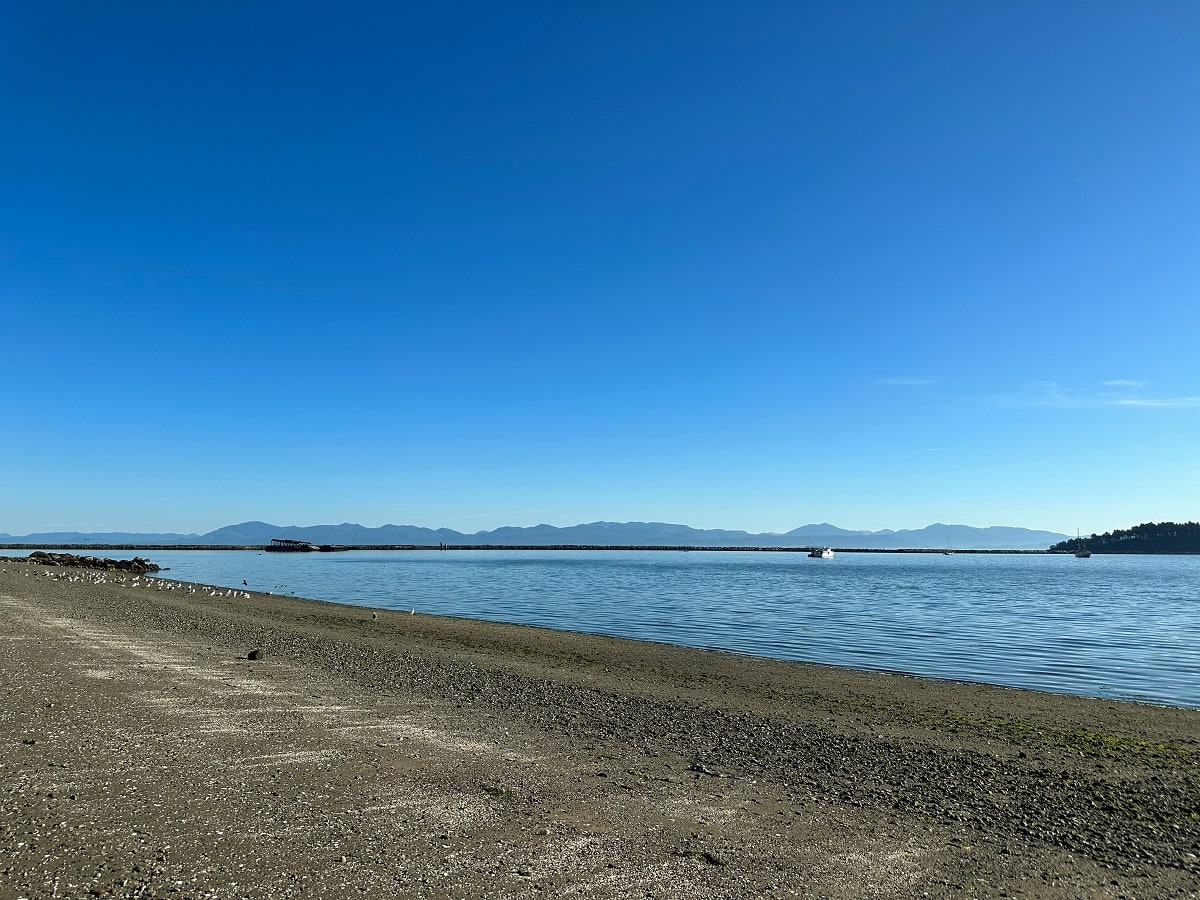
{"points": [[137, 581], [140, 581]]}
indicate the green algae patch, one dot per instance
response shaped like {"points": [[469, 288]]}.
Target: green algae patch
{"points": [[1083, 740]]}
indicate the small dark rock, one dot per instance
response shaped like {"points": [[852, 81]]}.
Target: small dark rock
{"points": [[256, 653]]}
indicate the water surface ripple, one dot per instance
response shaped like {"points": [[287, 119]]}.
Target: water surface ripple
{"points": [[1111, 626]]}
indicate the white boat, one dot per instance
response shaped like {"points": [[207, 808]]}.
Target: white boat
{"points": [[821, 553]]}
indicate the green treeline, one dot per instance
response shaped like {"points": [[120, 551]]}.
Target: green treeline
{"points": [[1151, 537]]}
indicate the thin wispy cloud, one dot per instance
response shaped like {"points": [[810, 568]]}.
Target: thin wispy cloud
{"points": [[1121, 393], [1159, 402], [1048, 393]]}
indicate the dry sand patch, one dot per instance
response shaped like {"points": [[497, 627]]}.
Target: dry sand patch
{"points": [[382, 802]]}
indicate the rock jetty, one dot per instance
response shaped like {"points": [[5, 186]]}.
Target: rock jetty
{"points": [[139, 565]]}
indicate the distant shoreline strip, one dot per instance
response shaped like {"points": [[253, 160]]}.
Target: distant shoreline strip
{"points": [[663, 547]]}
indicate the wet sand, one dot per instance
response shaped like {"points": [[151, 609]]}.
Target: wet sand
{"points": [[144, 755]]}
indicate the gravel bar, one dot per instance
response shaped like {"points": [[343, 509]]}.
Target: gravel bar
{"points": [[174, 740]]}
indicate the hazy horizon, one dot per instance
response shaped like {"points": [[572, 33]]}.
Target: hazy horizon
{"points": [[406, 524], [885, 265]]}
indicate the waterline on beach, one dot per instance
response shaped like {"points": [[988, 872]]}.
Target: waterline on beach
{"points": [[1112, 627]]}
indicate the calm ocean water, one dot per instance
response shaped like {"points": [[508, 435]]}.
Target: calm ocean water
{"points": [[1124, 627]]}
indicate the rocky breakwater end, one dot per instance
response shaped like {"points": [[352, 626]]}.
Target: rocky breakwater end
{"points": [[139, 565]]}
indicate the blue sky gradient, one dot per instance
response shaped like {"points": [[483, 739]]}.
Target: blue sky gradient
{"points": [[730, 265]]}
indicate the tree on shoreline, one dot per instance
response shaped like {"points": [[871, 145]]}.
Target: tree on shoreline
{"points": [[1149, 537]]}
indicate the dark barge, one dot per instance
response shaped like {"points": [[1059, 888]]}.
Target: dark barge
{"points": [[286, 545]]}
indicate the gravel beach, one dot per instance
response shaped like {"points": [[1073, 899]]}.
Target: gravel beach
{"points": [[147, 752]]}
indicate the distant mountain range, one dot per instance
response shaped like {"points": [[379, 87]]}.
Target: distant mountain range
{"points": [[653, 534]]}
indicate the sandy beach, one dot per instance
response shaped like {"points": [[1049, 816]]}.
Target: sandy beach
{"points": [[145, 755]]}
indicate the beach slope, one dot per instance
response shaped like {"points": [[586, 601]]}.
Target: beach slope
{"points": [[407, 755]]}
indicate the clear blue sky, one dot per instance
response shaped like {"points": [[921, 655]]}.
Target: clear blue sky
{"points": [[736, 265]]}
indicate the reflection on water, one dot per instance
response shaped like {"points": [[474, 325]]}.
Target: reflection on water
{"points": [[1110, 626]]}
